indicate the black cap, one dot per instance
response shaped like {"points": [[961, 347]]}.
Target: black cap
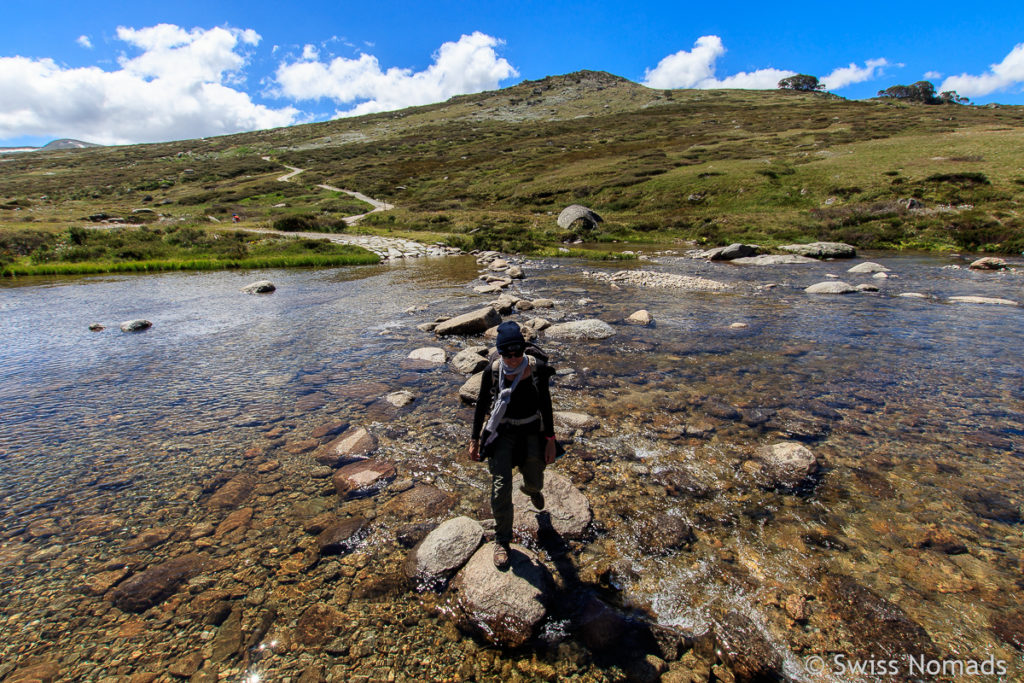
{"points": [[509, 335]]}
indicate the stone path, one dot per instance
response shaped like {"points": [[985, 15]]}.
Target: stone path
{"points": [[388, 248]]}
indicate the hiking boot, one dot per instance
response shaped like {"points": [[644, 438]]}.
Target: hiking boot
{"points": [[537, 499], [501, 560]]}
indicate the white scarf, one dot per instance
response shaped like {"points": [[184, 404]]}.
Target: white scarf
{"points": [[504, 395]]}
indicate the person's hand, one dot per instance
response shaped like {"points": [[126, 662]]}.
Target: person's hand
{"points": [[550, 451], [474, 450]]}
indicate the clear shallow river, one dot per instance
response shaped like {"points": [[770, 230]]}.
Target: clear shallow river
{"points": [[914, 407]]}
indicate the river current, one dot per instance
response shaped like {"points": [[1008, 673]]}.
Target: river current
{"points": [[913, 405]]}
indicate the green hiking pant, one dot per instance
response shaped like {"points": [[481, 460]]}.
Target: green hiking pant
{"points": [[524, 450]]}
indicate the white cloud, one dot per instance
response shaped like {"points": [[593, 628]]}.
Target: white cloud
{"points": [[848, 75], [309, 52], [465, 66], [84, 41], [696, 69], [1000, 76], [932, 75], [178, 87]]}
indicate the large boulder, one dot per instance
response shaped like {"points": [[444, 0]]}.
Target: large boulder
{"points": [[474, 322], [445, 549], [363, 477], [580, 330], [733, 251], [577, 212], [505, 607], [354, 443], [468, 361], [156, 584], [831, 287], [567, 510], [821, 250], [787, 464]]}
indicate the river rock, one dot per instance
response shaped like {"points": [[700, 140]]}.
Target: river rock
{"points": [[580, 330], [400, 399], [567, 510], [515, 272], [363, 477], [318, 624], [100, 583], [641, 317], [879, 628], [913, 295], [536, 324], [431, 354], [356, 442], [747, 650], [988, 263], [154, 585], [468, 361], [44, 672], [329, 429], [787, 464], [421, 502], [260, 287], [150, 538], [506, 303], [234, 492], [543, 303], [97, 327], [981, 300], [774, 260], [474, 322], [881, 276], [342, 537], [135, 325], [662, 533], [238, 519], [572, 421], [443, 552], [833, 287], [821, 250], [867, 288], [868, 267], [498, 264], [733, 251], [505, 607], [470, 390]]}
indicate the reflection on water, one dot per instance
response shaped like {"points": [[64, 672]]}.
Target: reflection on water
{"points": [[913, 405]]}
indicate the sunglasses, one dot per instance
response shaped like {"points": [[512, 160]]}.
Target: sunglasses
{"points": [[512, 352]]}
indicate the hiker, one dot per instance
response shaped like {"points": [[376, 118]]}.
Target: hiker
{"points": [[519, 432], [235, 218]]}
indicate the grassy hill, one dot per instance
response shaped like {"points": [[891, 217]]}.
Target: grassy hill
{"points": [[494, 169]]}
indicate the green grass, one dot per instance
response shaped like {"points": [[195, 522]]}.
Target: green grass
{"points": [[80, 250]]}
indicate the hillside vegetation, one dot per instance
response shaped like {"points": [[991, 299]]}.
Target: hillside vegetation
{"points": [[494, 169]]}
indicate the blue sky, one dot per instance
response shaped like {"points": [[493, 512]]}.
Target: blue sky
{"points": [[151, 71]]}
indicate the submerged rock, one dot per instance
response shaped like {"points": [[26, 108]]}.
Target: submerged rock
{"points": [[356, 442], [641, 317], [505, 607], [342, 537], [430, 354], [571, 420], [234, 492], [444, 550], [746, 649], [156, 584], [422, 501], [363, 477], [788, 464], [982, 300]]}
